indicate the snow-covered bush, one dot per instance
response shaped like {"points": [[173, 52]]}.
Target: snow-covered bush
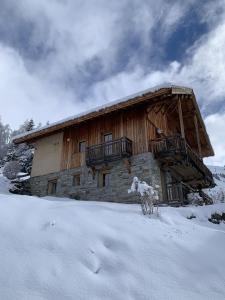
{"points": [[11, 169], [149, 196], [195, 199]]}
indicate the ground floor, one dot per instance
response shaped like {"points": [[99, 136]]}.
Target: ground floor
{"points": [[106, 182]]}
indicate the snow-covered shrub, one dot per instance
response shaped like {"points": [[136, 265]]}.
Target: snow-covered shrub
{"points": [[195, 199], [218, 196], [200, 199], [20, 185], [217, 217], [11, 169], [149, 196]]}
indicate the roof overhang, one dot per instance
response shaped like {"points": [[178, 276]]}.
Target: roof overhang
{"points": [[148, 95]]}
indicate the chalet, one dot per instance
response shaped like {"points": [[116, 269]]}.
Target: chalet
{"points": [[157, 135]]}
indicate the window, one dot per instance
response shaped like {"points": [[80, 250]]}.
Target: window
{"points": [[108, 137], [108, 147], [82, 146], [52, 186], [76, 180], [104, 179]]}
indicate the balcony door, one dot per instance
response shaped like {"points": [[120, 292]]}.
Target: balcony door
{"points": [[108, 146]]}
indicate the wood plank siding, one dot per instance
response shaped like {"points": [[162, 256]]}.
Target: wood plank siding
{"points": [[130, 123], [143, 118], [140, 124]]}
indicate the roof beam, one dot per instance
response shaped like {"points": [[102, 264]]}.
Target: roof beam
{"points": [[181, 118], [197, 135]]}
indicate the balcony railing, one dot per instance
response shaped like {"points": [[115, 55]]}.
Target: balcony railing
{"points": [[175, 149], [108, 151]]}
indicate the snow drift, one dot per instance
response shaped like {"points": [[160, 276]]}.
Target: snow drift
{"points": [[64, 249]]}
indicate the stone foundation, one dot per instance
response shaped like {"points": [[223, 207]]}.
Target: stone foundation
{"points": [[121, 174]]}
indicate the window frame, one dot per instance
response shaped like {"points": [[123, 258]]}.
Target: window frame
{"points": [[108, 148], [75, 177], [107, 134], [102, 182], [52, 183], [80, 143]]}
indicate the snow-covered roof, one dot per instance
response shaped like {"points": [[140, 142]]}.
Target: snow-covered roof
{"points": [[20, 138]]}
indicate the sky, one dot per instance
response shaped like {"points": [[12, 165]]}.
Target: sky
{"points": [[61, 57]]}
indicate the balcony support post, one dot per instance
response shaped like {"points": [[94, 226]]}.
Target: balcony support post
{"points": [[197, 136], [181, 119], [121, 125]]}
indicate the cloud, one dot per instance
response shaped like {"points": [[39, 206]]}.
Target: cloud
{"points": [[59, 57], [215, 124], [58, 51], [24, 96]]}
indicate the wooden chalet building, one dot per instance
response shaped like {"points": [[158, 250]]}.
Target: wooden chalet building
{"points": [[157, 135]]}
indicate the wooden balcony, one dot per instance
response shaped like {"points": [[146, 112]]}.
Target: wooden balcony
{"points": [[175, 153], [109, 151]]}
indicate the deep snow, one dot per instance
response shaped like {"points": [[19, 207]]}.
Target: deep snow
{"points": [[58, 249], [219, 172], [218, 192]]}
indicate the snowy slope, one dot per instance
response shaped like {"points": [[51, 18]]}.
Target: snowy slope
{"points": [[65, 249], [218, 192], [219, 176], [4, 183]]}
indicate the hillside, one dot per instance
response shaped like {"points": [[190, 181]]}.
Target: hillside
{"points": [[66, 249], [219, 176], [218, 192]]}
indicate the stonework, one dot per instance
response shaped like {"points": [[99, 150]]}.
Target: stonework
{"points": [[119, 178]]}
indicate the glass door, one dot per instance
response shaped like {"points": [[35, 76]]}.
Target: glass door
{"points": [[108, 143]]}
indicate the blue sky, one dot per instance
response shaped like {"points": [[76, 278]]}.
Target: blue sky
{"points": [[60, 57]]}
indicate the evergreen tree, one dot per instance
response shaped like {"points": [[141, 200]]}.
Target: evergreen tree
{"points": [[22, 153], [30, 125], [5, 133]]}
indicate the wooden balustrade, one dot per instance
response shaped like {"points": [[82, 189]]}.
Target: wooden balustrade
{"points": [[175, 149], [108, 151]]}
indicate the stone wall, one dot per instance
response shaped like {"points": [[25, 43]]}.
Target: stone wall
{"points": [[121, 173]]}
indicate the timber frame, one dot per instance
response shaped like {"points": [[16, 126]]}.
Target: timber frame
{"points": [[165, 121], [162, 95]]}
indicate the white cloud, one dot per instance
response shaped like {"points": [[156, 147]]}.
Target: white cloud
{"points": [[215, 126], [75, 33], [72, 34], [24, 96]]}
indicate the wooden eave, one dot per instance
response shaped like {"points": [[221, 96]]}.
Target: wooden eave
{"points": [[30, 137], [155, 96], [203, 130]]}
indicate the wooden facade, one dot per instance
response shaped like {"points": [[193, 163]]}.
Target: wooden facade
{"points": [[130, 123], [144, 121]]}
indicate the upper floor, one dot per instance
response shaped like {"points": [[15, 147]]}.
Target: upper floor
{"points": [[148, 121]]}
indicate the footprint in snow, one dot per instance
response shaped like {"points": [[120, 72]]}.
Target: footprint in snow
{"points": [[48, 225], [96, 262]]}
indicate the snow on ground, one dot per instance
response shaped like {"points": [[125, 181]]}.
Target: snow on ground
{"points": [[4, 183], [79, 250], [56, 248], [219, 176], [218, 192]]}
